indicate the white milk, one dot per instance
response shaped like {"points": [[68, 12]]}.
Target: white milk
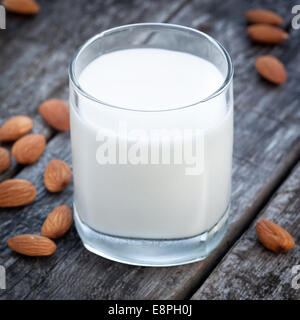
{"points": [[155, 201]]}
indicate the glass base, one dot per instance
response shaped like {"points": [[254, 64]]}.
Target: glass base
{"points": [[153, 253]]}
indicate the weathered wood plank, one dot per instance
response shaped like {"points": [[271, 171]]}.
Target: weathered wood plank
{"points": [[249, 271], [266, 145], [36, 51]]}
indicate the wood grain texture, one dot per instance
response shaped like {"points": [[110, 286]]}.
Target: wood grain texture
{"points": [[249, 271], [267, 145]]}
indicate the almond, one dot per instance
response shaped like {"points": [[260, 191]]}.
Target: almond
{"points": [[21, 6], [264, 33], [57, 175], [32, 245], [56, 113], [58, 222], [15, 127], [263, 16], [16, 192], [274, 237], [4, 159], [271, 69], [29, 148]]}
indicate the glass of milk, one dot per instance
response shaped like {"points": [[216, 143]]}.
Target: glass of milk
{"points": [[152, 135]]}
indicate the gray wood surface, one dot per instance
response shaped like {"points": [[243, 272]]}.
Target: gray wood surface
{"points": [[249, 271], [267, 139]]}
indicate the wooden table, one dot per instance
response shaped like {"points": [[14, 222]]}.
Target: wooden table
{"points": [[34, 57]]}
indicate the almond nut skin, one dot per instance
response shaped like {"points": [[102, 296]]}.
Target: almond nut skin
{"points": [[57, 175], [4, 159], [15, 127], [57, 223], [264, 33], [21, 6], [16, 192], [263, 16], [29, 148], [271, 69], [56, 113], [32, 245], [274, 237]]}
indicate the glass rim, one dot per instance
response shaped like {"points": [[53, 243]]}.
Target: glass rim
{"points": [[221, 89]]}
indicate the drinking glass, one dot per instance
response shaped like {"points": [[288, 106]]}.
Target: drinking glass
{"points": [[152, 214]]}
